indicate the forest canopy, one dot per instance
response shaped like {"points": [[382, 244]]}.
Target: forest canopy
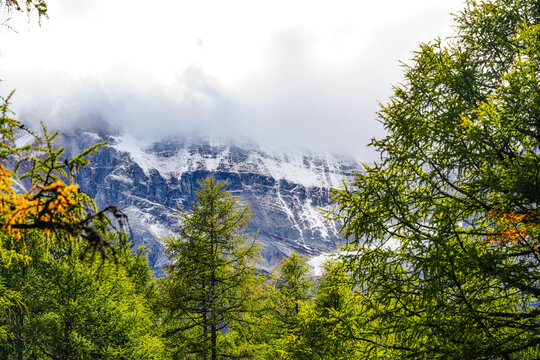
{"points": [[443, 254]]}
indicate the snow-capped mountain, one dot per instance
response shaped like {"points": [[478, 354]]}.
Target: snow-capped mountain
{"points": [[148, 181]]}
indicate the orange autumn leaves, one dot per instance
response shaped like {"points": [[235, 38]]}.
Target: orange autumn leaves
{"points": [[45, 204], [512, 228]]}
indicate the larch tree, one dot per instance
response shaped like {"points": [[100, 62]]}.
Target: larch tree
{"points": [[55, 301], [74, 308], [209, 282], [294, 288], [445, 226], [327, 327]]}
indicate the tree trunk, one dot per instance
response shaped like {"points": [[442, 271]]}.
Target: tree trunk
{"points": [[214, 342]]}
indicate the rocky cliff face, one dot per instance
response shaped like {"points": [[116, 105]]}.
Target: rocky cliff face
{"points": [[148, 181]]}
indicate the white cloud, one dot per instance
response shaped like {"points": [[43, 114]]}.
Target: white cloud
{"points": [[286, 72]]}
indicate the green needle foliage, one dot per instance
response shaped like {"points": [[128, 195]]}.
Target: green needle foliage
{"points": [[294, 288], [55, 301], [327, 327], [446, 224], [74, 308], [210, 281]]}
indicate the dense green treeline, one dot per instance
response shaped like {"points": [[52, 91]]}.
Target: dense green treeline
{"points": [[442, 261], [60, 303], [73, 308]]}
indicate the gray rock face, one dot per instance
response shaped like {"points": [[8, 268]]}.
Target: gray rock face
{"points": [[149, 181]]}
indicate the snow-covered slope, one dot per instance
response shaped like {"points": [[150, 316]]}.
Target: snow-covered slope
{"points": [[148, 181], [173, 157]]}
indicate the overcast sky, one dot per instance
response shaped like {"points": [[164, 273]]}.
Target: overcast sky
{"points": [[309, 73]]}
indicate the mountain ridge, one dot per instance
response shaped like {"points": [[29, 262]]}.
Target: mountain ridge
{"points": [[148, 181]]}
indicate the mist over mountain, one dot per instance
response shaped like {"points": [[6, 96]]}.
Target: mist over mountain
{"points": [[272, 72], [149, 180]]}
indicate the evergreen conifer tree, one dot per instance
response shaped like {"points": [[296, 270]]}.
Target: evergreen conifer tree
{"points": [[211, 275]]}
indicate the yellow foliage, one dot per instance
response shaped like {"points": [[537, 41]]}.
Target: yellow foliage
{"points": [[511, 228], [45, 205]]}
